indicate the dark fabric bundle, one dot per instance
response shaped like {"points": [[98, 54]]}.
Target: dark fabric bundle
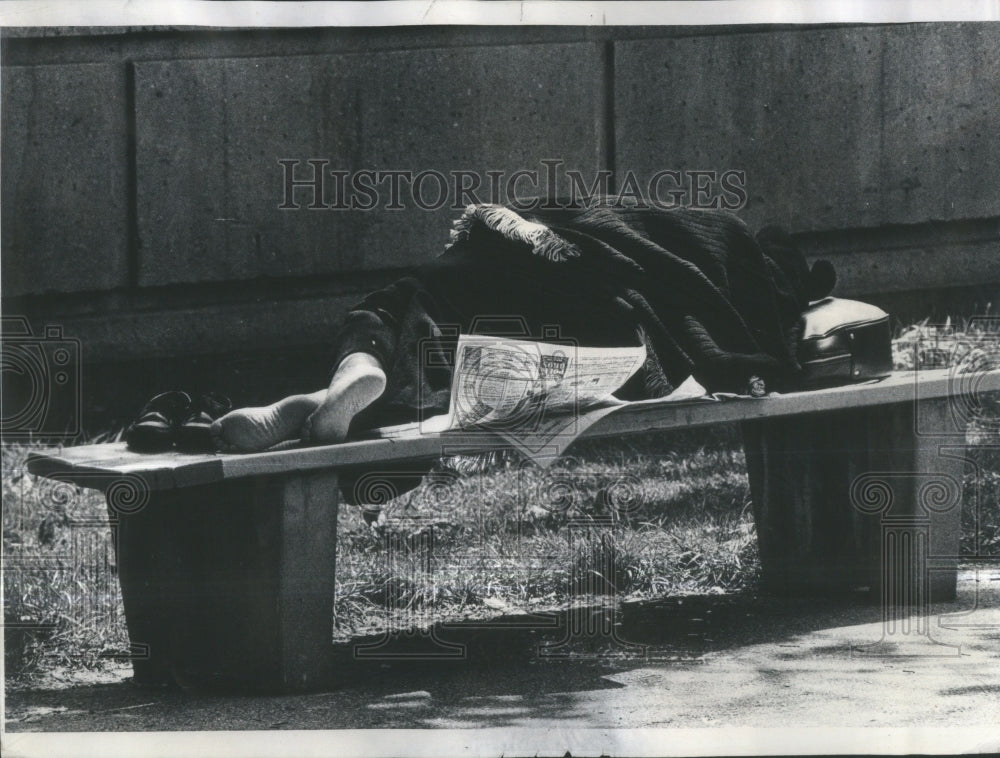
{"points": [[712, 300], [705, 297]]}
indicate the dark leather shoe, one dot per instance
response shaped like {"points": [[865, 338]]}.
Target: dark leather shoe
{"points": [[156, 427], [194, 433]]}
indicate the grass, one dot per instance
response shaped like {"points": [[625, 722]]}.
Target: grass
{"points": [[517, 538], [62, 604], [649, 516]]}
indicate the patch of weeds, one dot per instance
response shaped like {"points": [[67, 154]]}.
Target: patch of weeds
{"points": [[62, 603]]}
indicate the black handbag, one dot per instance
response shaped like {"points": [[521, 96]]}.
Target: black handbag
{"points": [[843, 342]]}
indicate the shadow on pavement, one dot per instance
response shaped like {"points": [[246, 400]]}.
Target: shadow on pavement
{"points": [[510, 671]]}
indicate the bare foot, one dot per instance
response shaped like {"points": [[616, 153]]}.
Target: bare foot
{"points": [[249, 430], [357, 383]]}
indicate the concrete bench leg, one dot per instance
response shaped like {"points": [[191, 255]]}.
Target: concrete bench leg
{"points": [[859, 498], [232, 584]]}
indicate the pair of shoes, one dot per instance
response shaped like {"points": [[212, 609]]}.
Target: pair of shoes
{"points": [[176, 419]]}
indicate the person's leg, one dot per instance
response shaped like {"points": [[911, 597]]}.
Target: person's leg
{"points": [[320, 417], [357, 383], [249, 430], [363, 351]]}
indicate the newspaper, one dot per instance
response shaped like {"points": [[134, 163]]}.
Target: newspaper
{"points": [[537, 396]]}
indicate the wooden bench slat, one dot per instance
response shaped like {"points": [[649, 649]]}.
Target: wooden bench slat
{"points": [[84, 464]]}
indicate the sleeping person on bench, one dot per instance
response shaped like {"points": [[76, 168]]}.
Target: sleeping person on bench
{"points": [[703, 295]]}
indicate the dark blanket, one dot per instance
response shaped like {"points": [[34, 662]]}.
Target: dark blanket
{"points": [[711, 299], [706, 297]]}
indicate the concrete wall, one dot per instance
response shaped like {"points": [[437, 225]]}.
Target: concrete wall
{"points": [[141, 184]]}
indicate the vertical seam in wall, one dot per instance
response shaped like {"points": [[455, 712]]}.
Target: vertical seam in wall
{"points": [[131, 180], [607, 127], [226, 206], [882, 163]]}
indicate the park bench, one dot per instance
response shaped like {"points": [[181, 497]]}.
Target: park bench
{"points": [[226, 562]]}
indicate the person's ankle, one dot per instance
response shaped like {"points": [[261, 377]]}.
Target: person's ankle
{"points": [[360, 361]]}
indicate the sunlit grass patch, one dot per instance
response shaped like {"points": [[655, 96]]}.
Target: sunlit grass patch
{"points": [[62, 603]]}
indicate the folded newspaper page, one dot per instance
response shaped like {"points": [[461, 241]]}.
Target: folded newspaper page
{"points": [[536, 396]]}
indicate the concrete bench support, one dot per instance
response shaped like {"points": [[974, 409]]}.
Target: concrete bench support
{"points": [[233, 582], [831, 489]]}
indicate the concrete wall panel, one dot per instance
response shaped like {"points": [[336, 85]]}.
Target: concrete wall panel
{"points": [[211, 133], [64, 187], [836, 128], [797, 110], [942, 122]]}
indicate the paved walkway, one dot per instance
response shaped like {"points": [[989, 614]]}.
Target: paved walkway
{"points": [[709, 663]]}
